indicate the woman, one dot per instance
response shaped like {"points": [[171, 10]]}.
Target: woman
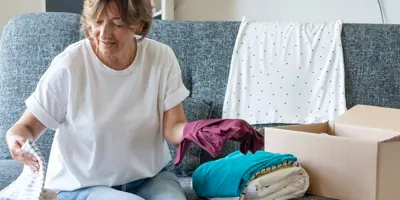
{"points": [[113, 98]]}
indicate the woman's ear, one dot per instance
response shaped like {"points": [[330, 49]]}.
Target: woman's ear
{"points": [[139, 29]]}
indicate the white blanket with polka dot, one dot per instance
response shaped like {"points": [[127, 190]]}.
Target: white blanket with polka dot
{"points": [[286, 72]]}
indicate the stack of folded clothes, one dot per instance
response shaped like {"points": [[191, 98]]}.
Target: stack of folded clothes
{"points": [[262, 175]]}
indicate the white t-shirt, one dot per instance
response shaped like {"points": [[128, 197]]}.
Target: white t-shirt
{"points": [[108, 123]]}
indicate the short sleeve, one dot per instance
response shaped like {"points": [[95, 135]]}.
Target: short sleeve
{"points": [[48, 103], [176, 91]]}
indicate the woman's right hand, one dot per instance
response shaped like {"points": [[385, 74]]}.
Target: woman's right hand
{"points": [[15, 142], [27, 127]]}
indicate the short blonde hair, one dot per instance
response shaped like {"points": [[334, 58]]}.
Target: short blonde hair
{"points": [[132, 12]]}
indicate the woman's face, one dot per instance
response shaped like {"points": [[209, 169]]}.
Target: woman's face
{"points": [[112, 36]]}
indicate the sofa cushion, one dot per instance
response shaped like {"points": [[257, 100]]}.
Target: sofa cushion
{"points": [[9, 171], [195, 109]]}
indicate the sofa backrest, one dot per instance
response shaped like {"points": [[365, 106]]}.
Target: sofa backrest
{"points": [[30, 42]]}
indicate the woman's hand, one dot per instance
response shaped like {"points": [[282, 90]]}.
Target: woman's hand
{"points": [[27, 127], [15, 142]]}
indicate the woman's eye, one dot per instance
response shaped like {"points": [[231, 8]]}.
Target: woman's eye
{"points": [[119, 24]]}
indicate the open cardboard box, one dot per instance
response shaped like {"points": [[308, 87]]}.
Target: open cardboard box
{"points": [[358, 157]]}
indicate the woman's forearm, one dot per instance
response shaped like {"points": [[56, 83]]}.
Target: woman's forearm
{"points": [[27, 126]]}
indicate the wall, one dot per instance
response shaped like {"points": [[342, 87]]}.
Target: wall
{"points": [[392, 7], [10, 8], [355, 11]]}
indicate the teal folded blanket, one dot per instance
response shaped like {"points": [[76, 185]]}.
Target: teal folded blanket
{"points": [[227, 177]]}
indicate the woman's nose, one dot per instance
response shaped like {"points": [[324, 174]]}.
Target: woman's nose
{"points": [[105, 31]]}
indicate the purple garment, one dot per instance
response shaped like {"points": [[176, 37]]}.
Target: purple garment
{"points": [[211, 135]]}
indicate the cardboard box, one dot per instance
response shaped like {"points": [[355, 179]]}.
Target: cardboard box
{"points": [[357, 158]]}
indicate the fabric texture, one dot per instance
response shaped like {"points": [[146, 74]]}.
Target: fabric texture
{"points": [[286, 72], [215, 179], [29, 185], [212, 134]]}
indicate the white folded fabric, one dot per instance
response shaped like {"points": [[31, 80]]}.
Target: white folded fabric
{"points": [[29, 185], [286, 183], [282, 184]]}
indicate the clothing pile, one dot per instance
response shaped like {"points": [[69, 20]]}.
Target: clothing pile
{"points": [[248, 173], [259, 176], [29, 185]]}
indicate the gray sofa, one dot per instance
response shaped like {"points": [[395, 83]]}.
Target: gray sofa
{"points": [[29, 43]]}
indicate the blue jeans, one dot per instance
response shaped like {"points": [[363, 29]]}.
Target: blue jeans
{"points": [[163, 186]]}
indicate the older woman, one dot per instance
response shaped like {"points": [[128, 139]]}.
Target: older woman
{"points": [[114, 99]]}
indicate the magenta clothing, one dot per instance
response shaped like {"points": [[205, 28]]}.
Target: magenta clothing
{"points": [[211, 135]]}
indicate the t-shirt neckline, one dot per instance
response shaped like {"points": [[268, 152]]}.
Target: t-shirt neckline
{"points": [[108, 69]]}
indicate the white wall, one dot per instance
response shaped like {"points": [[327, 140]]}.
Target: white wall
{"points": [[351, 11], [392, 8], [10, 8]]}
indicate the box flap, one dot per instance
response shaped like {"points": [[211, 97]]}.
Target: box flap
{"points": [[374, 117]]}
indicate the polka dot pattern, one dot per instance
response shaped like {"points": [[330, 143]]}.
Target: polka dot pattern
{"points": [[286, 72]]}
